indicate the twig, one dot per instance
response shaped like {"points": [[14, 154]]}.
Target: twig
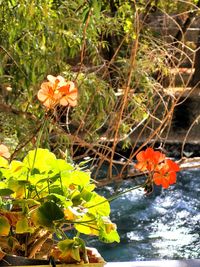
{"points": [[35, 247]]}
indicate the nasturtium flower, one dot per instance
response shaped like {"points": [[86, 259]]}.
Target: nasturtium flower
{"points": [[49, 94], [57, 81], [4, 152], [149, 159], [57, 91], [165, 175], [69, 94], [162, 171]]}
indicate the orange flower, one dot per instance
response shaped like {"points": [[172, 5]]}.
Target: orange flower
{"points": [[4, 152], [69, 94], [57, 90], [149, 159], [47, 95], [165, 174]]}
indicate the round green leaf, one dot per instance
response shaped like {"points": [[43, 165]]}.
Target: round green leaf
{"points": [[41, 159], [46, 214]]}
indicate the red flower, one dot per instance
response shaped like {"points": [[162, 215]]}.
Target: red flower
{"points": [[57, 90], [4, 152], [162, 171], [149, 159], [165, 174]]}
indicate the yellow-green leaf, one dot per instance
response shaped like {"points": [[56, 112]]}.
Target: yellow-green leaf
{"points": [[80, 178], [18, 170], [22, 226], [17, 187], [108, 230], [3, 163], [110, 237], [98, 205], [41, 159], [87, 225], [69, 248], [4, 226]]}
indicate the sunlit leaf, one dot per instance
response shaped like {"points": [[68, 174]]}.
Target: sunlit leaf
{"points": [[98, 205], [86, 195], [18, 187], [79, 177], [110, 237], [87, 225], [69, 248], [22, 226], [62, 165], [75, 177], [3, 163], [4, 226], [41, 159], [16, 166], [41, 178], [108, 230], [29, 202]]}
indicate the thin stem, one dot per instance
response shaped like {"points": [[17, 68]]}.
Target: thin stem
{"points": [[38, 142], [35, 247], [118, 195], [67, 119], [61, 184]]}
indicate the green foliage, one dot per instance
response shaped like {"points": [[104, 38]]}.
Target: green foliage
{"points": [[5, 226], [176, 6], [76, 39], [102, 46], [72, 248], [50, 194], [16, 130], [47, 213], [22, 226], [97, 100]]}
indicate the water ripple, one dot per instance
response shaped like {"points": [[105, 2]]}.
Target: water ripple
{"points": [[164, 225]]}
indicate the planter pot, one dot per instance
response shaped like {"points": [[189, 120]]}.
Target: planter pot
{"points": [[10, 260], [17, 261]]}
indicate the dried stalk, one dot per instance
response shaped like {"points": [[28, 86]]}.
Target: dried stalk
{"points": [[36, 246]]}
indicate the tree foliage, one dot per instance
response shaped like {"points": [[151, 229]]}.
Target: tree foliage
{"points": [[112, 54]]}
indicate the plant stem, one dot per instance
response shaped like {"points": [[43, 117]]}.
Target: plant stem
{"points": [[35, 247], [38, 141], [118, 195], [37, 145]]}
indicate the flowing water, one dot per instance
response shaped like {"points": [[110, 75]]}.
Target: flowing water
{"points": [[163, 225]]}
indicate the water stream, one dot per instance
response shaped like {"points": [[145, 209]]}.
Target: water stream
{"points": [[164, 225]]}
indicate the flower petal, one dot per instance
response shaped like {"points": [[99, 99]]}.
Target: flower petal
{"points": [[4, 152], [51, 78]]}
